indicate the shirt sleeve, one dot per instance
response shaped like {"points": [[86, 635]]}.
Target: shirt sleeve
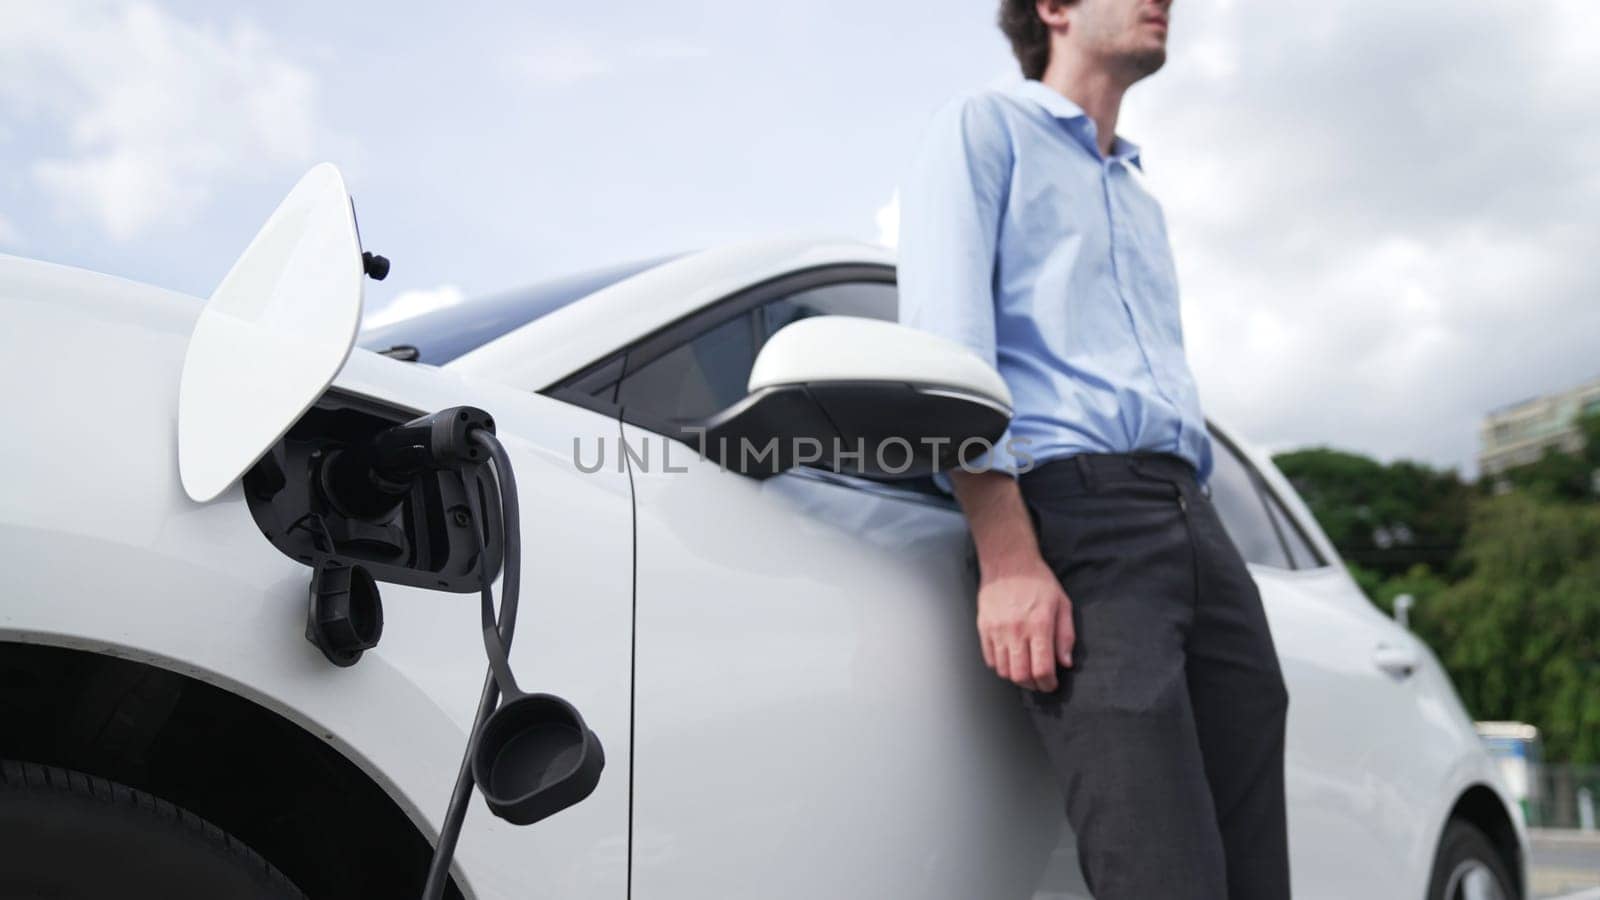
{"points": [[951, 203]]}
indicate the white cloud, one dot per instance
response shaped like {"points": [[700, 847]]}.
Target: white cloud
{"points": [[152, 112], [887, 218], [10, 235], [664, 48], [1382, 215], [560, 61], [564, 59], [411, 303]]}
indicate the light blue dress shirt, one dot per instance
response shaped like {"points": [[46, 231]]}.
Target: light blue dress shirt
{"points": [[1021, 241]]}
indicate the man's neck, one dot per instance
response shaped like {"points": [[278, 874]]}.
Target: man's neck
{"points": [[1096, 91]]}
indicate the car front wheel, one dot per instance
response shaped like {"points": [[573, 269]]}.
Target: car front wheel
{"points": [[1469, 868], [73, 836]]}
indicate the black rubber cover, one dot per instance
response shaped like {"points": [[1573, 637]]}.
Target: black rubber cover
{"points": [[535, 757], [345, 616]]}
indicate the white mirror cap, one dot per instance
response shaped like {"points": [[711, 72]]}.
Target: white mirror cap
{"points": [[846, 348], [272, 337]]}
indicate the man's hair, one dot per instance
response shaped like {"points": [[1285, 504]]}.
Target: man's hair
{"points": [[1030, 39]]}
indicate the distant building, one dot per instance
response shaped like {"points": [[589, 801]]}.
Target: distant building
{"points": [[1520, 433]]}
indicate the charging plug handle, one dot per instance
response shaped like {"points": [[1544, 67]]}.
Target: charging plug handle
{"points": [[371, 479], [441, 440]]}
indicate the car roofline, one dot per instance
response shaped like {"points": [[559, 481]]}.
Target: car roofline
{"points": [[563, 341]]}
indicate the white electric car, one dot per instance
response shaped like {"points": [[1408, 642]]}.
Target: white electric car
{"points": [[782, 670]]}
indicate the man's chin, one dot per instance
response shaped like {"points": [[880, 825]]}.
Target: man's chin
{"points": [[1148, 61]]}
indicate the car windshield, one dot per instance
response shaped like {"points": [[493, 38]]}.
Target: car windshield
{"points": [[441, 335]]}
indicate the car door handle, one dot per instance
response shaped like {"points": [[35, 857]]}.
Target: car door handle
{"points": [[1397, 661]]}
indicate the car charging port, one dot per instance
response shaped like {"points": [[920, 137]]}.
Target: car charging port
{"points": [[368, 482], [359, 482]]}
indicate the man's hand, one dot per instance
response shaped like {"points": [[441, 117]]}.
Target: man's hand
{"points": [[1025, 624], [1024, 616]]}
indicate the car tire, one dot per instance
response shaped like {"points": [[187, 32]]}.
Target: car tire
{"points": [[68, 835], [1468, 867]]}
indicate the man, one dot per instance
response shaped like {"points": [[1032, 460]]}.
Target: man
{"points": [[1109, 591]]}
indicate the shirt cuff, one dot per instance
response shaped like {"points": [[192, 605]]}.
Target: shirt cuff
{"points": [[1001, 456]]}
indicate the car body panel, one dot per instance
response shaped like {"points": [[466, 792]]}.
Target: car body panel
{"points": [[1341, 772], [809, 692]]}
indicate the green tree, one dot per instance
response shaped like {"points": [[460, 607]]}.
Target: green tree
{"points": [[1419, 581], [1520, 635], [1384, 519], [1370, 582]]}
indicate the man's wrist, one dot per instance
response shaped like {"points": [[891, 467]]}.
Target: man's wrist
{"points": [[1013, 562]]}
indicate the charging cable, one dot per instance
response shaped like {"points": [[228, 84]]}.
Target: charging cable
{"points": [[497, 634]]}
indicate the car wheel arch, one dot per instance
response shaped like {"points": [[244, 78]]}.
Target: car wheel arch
{"points": [[302, 803], [1480, 806]]}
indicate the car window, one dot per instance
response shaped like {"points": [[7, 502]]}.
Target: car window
{"points": [[700, 377], [1240, 506], [866, 299], [1301, 553], [709, 371]]}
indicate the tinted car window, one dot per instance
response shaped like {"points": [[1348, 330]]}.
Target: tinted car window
{"points": [[866, 299], [1301, 553], [1240, 506], [695, 379], [444, 334], [709, 372]]}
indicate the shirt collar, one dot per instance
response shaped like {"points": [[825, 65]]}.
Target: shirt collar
{"points": [[1073, 116]]}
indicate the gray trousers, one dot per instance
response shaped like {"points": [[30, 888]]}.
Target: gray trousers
{"points": [[1167, 733]]}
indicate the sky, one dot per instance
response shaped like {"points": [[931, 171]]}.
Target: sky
{"points": [[1386, 216]]}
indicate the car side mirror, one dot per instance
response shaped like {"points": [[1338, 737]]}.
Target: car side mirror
{"points": [[859, 397]]}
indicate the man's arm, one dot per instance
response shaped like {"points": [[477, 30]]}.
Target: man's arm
{"points": [[951, 204], [1024, 616]]}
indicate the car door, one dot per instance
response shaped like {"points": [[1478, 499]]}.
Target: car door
{"points": [[812, 716], [1361, 763]]}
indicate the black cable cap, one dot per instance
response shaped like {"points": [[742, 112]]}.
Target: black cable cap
{"points": [[345, 618]]}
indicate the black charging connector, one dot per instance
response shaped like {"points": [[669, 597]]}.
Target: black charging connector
{"points": [[370, 480]]}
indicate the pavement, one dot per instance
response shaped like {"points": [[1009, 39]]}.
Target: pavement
{"points": [[1566, 864]]}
